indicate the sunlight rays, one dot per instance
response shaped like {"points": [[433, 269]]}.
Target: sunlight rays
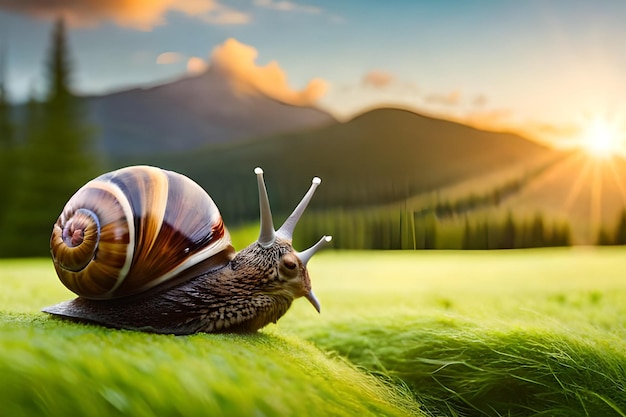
{"points": [[594, 176], [602, 142], [618, 181], [577, 184], [603, 137], [589, 191], [595, 201]]}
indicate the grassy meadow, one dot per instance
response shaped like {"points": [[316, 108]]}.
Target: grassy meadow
{"points": [[430, 333]]}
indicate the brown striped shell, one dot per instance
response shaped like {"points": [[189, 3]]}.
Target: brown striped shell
{"points": [[135, 228]]}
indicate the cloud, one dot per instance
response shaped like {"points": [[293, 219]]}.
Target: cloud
{"points": [[386, 82], [491, 117], [136, 14], [480, 100], [196, 65], [287, 6], [167, 58], [452, 98], [556, 132], [222, 15], [237, 60], [377, 79]]}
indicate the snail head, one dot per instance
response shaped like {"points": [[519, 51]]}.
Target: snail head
{"points": [[292, 270]]}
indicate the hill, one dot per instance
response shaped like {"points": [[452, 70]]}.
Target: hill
{"points": [[381, 156], [192, 112]]}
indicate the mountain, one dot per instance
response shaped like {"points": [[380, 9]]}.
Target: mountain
{"points": [[380, 157], [191, 112], [403, 160]]}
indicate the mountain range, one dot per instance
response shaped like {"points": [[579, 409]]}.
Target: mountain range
{"points": [[217, 132]]}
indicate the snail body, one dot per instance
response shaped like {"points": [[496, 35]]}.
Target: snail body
{"points": [[146, 249]]}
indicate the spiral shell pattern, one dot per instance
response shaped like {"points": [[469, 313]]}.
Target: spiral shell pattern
{"points": [[135, 228]]}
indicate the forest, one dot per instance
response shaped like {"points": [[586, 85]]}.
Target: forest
{"points": [[46, 156]]}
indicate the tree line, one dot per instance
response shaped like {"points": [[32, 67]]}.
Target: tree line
{"points": [[46, 154], [615, 237], [515, 234], [393, 228], [388, 228]]}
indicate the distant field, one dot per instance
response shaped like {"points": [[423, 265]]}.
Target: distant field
{"points": [[521, 333]]}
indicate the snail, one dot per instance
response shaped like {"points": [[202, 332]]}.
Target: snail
{"points": [[146, 249]]}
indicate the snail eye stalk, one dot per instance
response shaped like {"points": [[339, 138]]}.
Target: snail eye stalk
{"points": [[267, 236]]}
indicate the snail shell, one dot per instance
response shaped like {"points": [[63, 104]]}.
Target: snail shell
{"points": [[135, 228]]}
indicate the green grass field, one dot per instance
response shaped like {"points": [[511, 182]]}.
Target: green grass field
{"points": [[519, 333]]}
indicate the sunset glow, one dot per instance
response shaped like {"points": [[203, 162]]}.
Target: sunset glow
{"points": [[603, 138], [536, 83]]}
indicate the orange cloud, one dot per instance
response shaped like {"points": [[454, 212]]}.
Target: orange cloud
{"points": [[167, 58], [565, 130], [497, 119], [137, 14], [566, 135], [196, 65], [377, 79], [237, 60], [489, 118]]}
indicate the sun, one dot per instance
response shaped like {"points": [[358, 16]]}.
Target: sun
{"points": [[603, 138]]}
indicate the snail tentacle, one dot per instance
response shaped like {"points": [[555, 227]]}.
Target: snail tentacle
{"points": [[266, 234], [286, 230]]}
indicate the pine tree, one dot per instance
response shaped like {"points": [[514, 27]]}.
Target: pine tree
{"points": [[564, 235], [59, 65], [507, 239], [23, 233], [430, 241], [480, 238], [620, 232], [57, 158], [604, 239], [7, 144], [537, 232], [467, 235]]}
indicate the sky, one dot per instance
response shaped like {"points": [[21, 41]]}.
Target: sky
{"points": [[549, 69]]}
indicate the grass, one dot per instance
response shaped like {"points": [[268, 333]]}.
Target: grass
{"points": [[520, 333], [51, 368], [58, 368]]}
